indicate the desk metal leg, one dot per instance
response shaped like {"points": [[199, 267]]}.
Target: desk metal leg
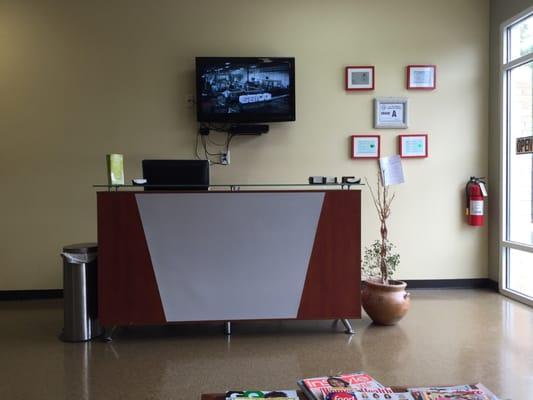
{"points": [[349, 330], [227, 328], [108, 334]]}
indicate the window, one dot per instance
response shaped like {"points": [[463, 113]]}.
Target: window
{"points": [[517, 168]]}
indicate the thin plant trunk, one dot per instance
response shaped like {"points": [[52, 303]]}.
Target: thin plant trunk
{"points": [[382, 203]]}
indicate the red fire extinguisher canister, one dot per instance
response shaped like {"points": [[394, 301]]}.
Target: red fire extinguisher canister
{"points": [[475, 191]]}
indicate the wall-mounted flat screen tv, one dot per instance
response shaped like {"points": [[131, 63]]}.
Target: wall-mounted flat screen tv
{"points": [[245, 90]]}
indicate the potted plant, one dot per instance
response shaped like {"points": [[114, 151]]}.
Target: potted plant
{"points": [[383, 298]]}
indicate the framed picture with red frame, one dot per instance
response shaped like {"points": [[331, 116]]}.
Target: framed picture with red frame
{"points": [[366, 146], [421, 77], [413, 146], [359, 78]]}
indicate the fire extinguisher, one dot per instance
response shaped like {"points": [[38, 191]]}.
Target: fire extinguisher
{"points": [[475, 191]]}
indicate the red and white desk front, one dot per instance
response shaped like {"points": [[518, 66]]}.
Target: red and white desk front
{"points": [[168, 257]]}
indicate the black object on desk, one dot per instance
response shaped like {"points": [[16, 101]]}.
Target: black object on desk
{"points": [[184, 174]]}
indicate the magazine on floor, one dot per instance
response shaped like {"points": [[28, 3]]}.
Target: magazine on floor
{"points": [[456, 395], [319, 388], [348, 394], [461, 392], [269, 394], [361, 386], [383, 396]]}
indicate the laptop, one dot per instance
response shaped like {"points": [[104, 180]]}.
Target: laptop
{"points": [[186, 174]]}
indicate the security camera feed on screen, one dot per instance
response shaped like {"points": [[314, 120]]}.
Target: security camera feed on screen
{"points": [[245, 90]]}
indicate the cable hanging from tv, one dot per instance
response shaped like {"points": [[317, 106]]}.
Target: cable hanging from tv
{"points": [[220, 156], [223, 149]]}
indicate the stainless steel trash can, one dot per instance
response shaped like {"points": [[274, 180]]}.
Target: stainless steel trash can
{"points": [[80, 292]]}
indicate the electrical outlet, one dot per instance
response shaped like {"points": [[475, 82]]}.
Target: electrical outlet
{"points": [[224, 158]]}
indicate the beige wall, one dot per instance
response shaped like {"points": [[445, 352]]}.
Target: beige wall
{"points": [[82, 79], [500, 11]]}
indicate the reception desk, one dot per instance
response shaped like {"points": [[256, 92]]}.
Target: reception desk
{"points": [[228, 255]]}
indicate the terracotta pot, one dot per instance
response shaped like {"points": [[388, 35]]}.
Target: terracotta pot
{"points": [[386, 303]]}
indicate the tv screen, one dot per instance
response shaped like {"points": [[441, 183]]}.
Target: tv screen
{"points": [[245, 90]]}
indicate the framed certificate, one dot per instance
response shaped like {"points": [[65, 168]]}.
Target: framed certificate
{"points": [[365, 146], [359, 78], [390, 112], [413, 146], [422, 77]]}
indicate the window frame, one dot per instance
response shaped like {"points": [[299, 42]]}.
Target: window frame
{"points": [[505, 68]]}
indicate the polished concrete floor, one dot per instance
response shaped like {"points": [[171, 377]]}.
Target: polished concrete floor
{"points": [[448, 337]]}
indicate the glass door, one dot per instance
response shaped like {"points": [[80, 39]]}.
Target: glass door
{"points": [[517, 215]]}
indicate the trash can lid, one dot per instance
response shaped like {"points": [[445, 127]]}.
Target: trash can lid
{"points": [[81, 248]]}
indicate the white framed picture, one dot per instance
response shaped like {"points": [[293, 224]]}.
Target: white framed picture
{"points": [[390, 112]]}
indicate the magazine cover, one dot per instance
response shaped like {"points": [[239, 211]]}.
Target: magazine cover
{"points": [[440, 388], [375, 391], [383, 396], [486, 391], [452, 395], [347, 394], [318, 388], [262, 394], [460, 392]]}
